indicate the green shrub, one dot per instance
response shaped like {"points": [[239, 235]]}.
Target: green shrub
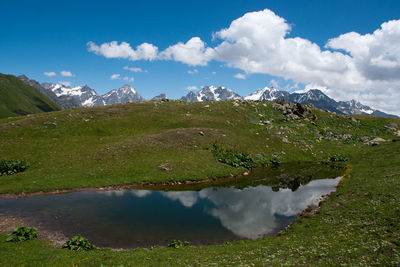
{"points": [[12, 166], [275, 161], [78, 242], [22, 233], [338, 157], [236, 158], [178, 244]]}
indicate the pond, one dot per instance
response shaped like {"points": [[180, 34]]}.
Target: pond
{"points": [[248, 207]]}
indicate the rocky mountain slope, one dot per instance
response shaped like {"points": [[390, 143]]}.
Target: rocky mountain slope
{"points": [[211, 93], [318, 99]]}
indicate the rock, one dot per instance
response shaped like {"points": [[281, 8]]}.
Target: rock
{"points": [[394, 126], [285, 140], [376, 141], [49, 123], [201, 133], [165, 167], [206, 106]]}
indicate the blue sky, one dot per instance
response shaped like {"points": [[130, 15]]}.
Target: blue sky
{"points": [[52, 36]]}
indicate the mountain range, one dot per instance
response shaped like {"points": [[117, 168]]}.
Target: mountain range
{"points": [[84, 96]]}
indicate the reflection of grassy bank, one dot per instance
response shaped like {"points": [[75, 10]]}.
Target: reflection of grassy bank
{"points": [[357, 225]]}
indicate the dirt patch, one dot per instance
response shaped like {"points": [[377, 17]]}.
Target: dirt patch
{"points": [[9, 223]]}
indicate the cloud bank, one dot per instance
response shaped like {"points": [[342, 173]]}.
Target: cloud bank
{"points": [[364, 67]]}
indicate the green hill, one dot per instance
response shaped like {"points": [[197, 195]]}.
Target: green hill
{"points": [[158, 142], [18, 98]]}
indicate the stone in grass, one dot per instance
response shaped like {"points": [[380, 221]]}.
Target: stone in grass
{"points": [[376, 141], [165, 167]]}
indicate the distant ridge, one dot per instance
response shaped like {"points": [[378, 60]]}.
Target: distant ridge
{"points": [[18, 98], [84, 96]]}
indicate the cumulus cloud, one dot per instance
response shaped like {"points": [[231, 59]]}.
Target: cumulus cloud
{"points": [[352, 65], [50, 74], [115, 76], [112, 49], [65, 83], [134, 69], [128, 79], [66, 73], [192, 71], [191, 88], [240, 76], [193, 52]]}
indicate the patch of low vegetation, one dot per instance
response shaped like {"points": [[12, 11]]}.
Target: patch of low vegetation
{"points": [[176, 243], [78, 242], [22, 233], [10, 167], [236, 158], [338, 158]]}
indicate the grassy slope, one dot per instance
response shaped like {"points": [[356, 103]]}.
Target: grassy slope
{"points": [[18, 98], [126, 143]]}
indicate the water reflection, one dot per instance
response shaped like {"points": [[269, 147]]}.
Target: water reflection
{"points": [[234, 209], [252, 212]]}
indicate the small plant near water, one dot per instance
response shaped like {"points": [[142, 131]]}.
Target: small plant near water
{"points": [[22, 233], [178, 244], [10, 167], [338, 158], [275, 161], [236, 158], [78, 242]]}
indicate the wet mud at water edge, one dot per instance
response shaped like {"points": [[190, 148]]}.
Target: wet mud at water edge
{"points": [[257, 205]]}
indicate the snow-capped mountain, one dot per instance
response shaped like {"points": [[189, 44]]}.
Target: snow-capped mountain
{"points": [[354, 107], [122, 95], [83, 94], [267, 94], [211, 93], [318, 99], [315, 97]]}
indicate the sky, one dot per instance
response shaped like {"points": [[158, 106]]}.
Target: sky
{"points": [[348, 49]]}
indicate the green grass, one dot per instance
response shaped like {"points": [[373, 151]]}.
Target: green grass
{"points": [[122, 144], [18, 98], [127, 143]]}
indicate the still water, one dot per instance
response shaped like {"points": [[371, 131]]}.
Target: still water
{"points": [[254, 206]]}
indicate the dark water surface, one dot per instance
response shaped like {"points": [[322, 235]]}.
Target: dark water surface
{"points": [[254, 206]]}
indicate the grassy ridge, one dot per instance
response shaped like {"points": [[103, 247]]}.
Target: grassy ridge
{"points": [[129, 143], [18, 98]]}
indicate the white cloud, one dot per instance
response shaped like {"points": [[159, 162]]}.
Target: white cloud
{"points": [[65, 83], [364, 67], [193, 52], [66, 73], [115, 77], [128, 79], [240, 76], [191, 88], [192, 71], [274, 83], [112, 49], [50, 74], [214, 72], [134, 69]]}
